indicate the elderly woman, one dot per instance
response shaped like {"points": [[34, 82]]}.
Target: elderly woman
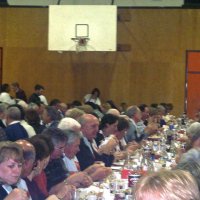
{"points": [[167, 185], [11, 160]]}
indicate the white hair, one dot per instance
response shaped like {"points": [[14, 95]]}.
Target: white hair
{"points": [[68, 123], [113, 111]]}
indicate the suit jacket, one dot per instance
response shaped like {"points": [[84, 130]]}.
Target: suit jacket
{"points": [[34, 98], [3, 192], [15, 132], [99, 138], [2, 124], [87, 158]]}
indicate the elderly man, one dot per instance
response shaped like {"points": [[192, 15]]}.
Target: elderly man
{"points": [[137, 133], [88, 153], [72, 130]]}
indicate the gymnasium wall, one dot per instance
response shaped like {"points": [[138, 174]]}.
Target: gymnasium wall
{"points": [[153, 71]]}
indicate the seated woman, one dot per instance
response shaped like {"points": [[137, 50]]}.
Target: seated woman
{"points": [[11, 159], [107, 127], [93, 97], [116, 144], [41, 161]]}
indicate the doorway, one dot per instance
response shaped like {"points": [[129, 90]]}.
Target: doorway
{"points": [[192, 83]]}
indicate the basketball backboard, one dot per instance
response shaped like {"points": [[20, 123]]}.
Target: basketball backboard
{"points": [[95, 24]]}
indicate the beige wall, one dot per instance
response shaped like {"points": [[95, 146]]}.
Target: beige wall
{"points": [[152, 72]]}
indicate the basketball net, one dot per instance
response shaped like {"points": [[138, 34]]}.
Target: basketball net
{"points": [[81, 44]]}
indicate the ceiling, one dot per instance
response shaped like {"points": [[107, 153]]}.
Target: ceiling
{"points": [[119, 3]]}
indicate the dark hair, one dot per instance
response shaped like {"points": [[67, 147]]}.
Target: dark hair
{"points": [[54, 102], [122, 124], [41, 147], [56, 134], [96, 90], [47, 139], [53, 113], [5, 87], [32, 116], [75, 103], [142, 107], [108, 119], [38, 87], [112, 104]]}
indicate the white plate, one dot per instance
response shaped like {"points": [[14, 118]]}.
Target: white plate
{"points": [[116, 167], [120, 163]]}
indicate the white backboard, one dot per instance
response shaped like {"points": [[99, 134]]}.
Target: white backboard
{"points": [[98, 23]]}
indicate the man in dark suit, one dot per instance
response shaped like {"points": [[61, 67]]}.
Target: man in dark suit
{"points": [[88, 153], [34, 98], [14, 130]]}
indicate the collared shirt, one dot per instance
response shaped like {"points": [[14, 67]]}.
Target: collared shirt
{"points": [[14, 122], [21, 184], [70, 163], [86, 141]]}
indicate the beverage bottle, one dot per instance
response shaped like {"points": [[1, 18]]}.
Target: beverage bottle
{"points": [[146, 164], [127, 168], [134, 176]]}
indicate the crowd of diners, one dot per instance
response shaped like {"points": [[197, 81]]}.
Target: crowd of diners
{"points": [[49, 150]]}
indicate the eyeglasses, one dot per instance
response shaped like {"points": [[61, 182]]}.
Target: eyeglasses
{"points": [[60, 148]]}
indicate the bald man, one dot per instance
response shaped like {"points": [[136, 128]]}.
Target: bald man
{"points": [[88, 154], [29, 157]]}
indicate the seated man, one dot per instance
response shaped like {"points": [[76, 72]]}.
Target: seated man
{"points": [[14, 130], [135, 132], [72, 130], [88, 153]]}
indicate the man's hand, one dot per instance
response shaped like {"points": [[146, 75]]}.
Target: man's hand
{"points": [[79, 179], [101, 173], [17, 194]]}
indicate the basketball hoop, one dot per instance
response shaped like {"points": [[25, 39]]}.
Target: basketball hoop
{"points": [[81, 43]]}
